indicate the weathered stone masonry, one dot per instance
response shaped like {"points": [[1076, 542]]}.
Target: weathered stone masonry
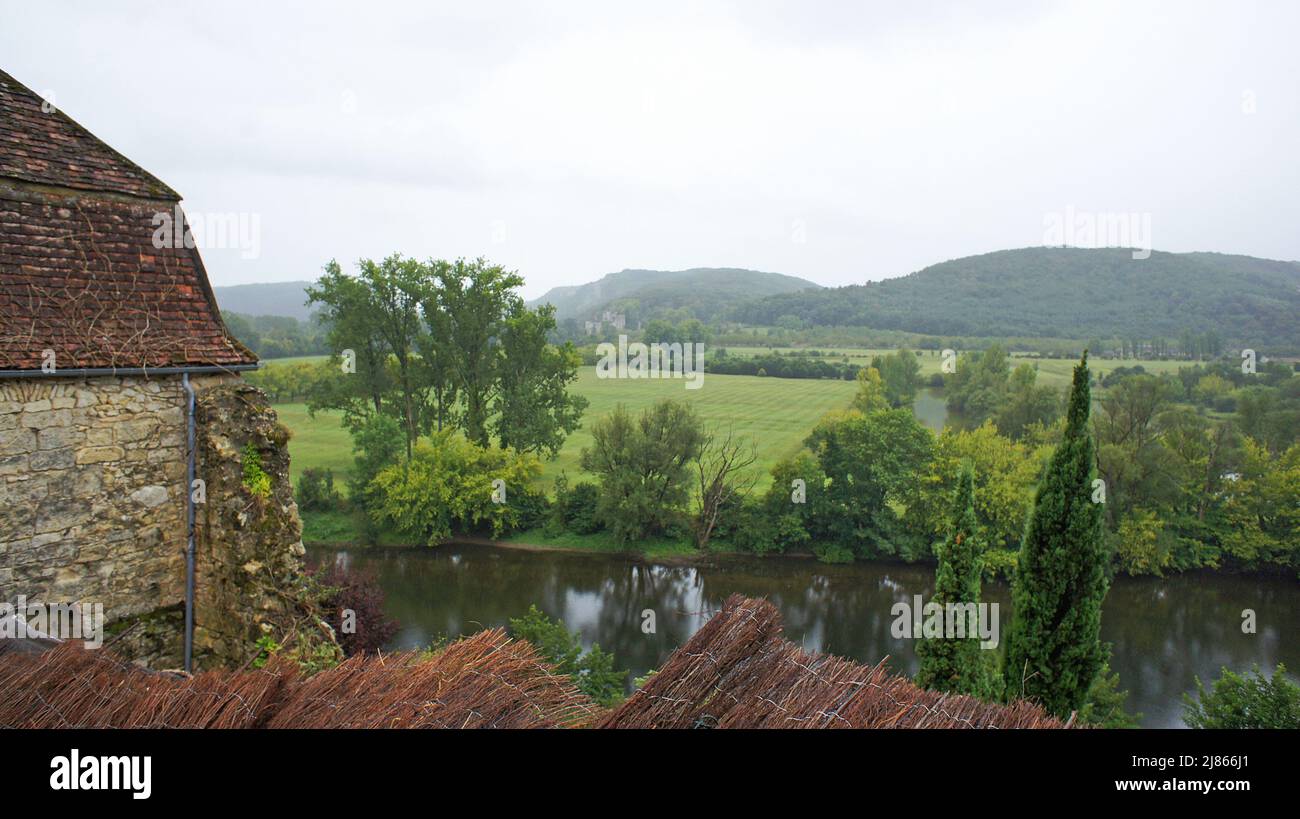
{"points": [[93, 488], [92, 474]]}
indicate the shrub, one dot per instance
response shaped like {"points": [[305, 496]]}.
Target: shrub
{"points": [[833, 553], [354, 590], [577, 508], [592, 671], [316, 492], [1253, 701]]}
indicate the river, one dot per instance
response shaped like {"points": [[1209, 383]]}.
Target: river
{"points": [[1164, 632]]}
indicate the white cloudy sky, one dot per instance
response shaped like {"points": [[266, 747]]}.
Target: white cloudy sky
{"points": [[840, 142]]}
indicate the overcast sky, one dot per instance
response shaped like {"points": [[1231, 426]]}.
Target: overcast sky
{"points": [[833, 142]]}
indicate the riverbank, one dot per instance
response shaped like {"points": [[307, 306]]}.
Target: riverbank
{"points": [[338, 529]]}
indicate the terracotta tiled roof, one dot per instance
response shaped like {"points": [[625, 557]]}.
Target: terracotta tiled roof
{"points": [[80, 275], [42, 144]]}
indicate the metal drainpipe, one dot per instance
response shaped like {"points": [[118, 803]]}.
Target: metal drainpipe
{"points": [[189, 550]]}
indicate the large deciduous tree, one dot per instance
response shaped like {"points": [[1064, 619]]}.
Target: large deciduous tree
{"points": [[644, 467], [472, 303], [534, 410]]}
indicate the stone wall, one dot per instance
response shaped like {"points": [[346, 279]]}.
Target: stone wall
{"points": [[251, 582], [93, 509], [92, 476]]}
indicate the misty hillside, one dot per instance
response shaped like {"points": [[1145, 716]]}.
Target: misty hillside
{"points": [[1067, 293], [706, 291], [269, 299]]}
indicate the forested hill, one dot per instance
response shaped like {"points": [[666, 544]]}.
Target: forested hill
{"points": [[268, 299], [1068, 293], [705, 291]]}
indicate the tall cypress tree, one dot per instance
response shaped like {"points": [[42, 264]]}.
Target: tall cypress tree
{"points": [[949, 663], [1053, 649]]}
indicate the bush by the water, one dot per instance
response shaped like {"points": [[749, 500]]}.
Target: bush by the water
{"points": [[1251, 701], [316, 492], [353, 604]]}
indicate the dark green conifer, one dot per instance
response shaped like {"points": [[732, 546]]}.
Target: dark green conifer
{"points": [[1053, 648], [959, 664]]}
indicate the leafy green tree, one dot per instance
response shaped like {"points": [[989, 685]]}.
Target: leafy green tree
{"points": [[869, 461], [348, 309], [900, 373], [1053, 650], [535, 411], [1026, 404], [978, 388], [1006, 473], [592, 670], [871, 392], [949, 663], [449, 486], [1261, 510], [472, 302], [644, 467], [376, 444], [1253, 701]]}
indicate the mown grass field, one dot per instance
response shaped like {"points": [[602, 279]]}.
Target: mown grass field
{"points": [[777, 414]]}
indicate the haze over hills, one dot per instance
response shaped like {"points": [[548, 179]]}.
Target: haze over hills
{"points": [[705, 291], [1066, 293], [1047, 292], [268, 299]]}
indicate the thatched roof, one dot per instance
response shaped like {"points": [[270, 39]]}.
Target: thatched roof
{"points": [[738, 672], [483, 681]]}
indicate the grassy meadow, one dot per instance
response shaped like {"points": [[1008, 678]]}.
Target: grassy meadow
{"points": [[776, 413]]}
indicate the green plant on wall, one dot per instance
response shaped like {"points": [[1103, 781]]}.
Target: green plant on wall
{"points": [[256, 481]]}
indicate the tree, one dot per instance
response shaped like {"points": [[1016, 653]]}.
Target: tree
{"points": [[534, 409], [1053, 648], [978, 387], [869, 460], [592, 671], [397, 286], [376, 444], [871, 392], [643, 465], [1261, 509], [1026, 404], [1253, 701], [900, 374], [725, 477], [471, 305], [959, 664], [349, 311], [1006, 473]]}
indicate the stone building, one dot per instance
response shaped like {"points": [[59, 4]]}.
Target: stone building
{"points": [[122, 413]]}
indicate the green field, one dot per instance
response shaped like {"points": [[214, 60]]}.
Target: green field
{"points": [[777, 414]]}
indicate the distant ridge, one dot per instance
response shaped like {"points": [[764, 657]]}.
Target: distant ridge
{"points": [[1066, 293], [267, 299], [704, 291]]}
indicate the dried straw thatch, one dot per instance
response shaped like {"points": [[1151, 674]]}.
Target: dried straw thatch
{"points": [[483, 681], [737, 672]]}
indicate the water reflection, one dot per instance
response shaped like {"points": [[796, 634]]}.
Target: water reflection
{"points": [[1163, 631]]}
